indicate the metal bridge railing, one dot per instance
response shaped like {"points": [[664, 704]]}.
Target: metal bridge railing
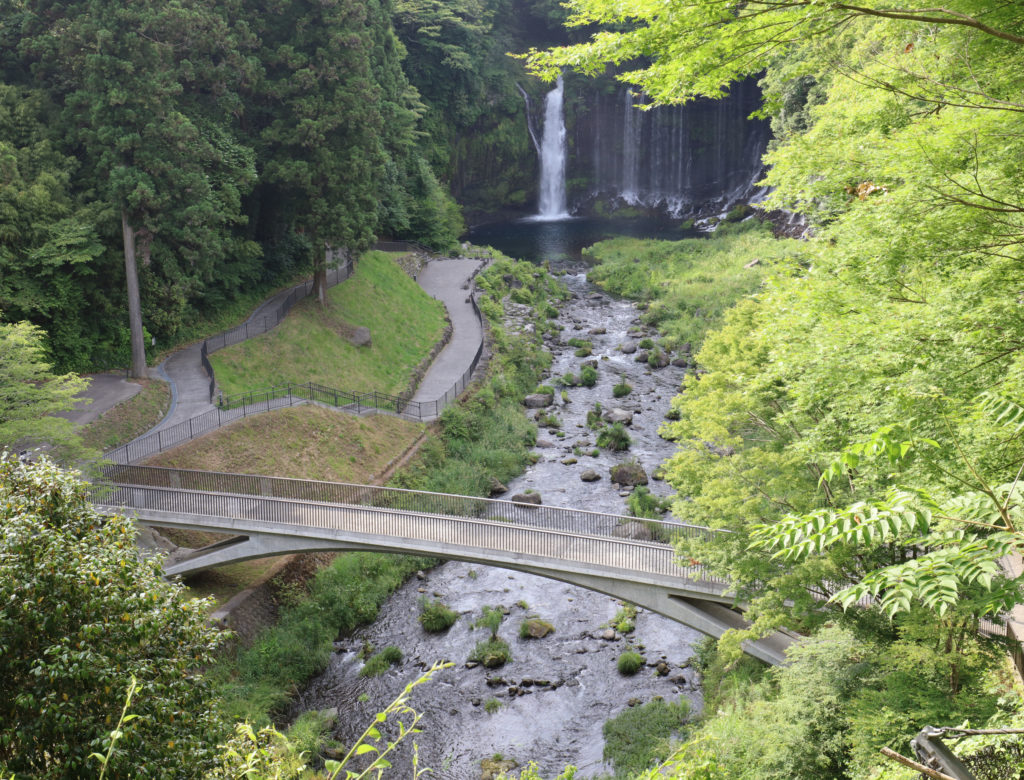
{"points": [[578, 521], [410, 527]]}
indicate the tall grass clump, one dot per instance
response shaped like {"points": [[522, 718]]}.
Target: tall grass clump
{"points": [[380, 662], [435, 616], [615, 438], [629, 663]]}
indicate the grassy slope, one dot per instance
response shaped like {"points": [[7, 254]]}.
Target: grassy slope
{"points": [[690, 283], [305, 442], [404, 323]]}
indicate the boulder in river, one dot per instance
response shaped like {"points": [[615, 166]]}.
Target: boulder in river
{"points": [[496, 487], [617, 415], [628, 474], [641, 356], [534, 628], [528, 498], [627, 347], [597, 331], [680, 362], [538, 400], [495, 767], [590, 476]]}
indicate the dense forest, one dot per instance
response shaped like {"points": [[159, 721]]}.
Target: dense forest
{"points": [[220, 148], [854, 424]]}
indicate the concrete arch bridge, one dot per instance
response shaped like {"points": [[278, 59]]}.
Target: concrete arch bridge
{"points": [[267, 516]]}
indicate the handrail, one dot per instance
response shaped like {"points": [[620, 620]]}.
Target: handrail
{"points": [[448, 504], [482, 533]]}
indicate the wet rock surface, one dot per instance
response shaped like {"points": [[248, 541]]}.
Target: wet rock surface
{"points": [[552, 699]]}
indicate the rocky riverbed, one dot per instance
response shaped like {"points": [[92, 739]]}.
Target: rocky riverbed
{"points": [[550, 702]]}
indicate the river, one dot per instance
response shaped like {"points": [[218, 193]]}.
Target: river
{"points": [[558, 691]]}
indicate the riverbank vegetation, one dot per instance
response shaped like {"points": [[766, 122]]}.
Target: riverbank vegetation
{"points": [[855, 418]]}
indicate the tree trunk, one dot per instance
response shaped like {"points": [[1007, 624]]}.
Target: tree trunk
{"points": [[138, 366], [320, 274]]}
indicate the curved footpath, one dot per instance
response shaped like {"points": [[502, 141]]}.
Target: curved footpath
{"points": [[448, 280]]}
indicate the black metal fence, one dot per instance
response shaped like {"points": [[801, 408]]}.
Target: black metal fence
{"points": [[235, 407], [401, 246], [256, 326]]}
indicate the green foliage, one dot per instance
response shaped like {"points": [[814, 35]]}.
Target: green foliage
{"points": [[643, 503], [492, 705], [614, 437], [629, 663], [640, 736], [535, 628], [588, 376], [625, 619], [32, 393], [269, 755], [435, 616], [82, 619], [490, 618], [623, 388], [491, 653], [380, 662], [342, 597], [646, 343], [594, 416], [689, 284]]}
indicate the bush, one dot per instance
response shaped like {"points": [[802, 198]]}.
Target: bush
{"points": [[622, 388], [588, 376], [583, 352], [491, 653], [82, 616], [491, 706], [643, 503], [625, 619], [646, 344], [615, 438], [435, 616], [568, 380], [381, 662], [490, 619], [574, 342], [594, 416], [548, 420], [629, 663]]}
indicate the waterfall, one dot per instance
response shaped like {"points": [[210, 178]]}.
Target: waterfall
{"points": [[552, 158], [702, 157]]}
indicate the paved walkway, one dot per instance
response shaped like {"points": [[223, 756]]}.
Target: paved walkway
{"points": [[105, 391], [448, 280]]}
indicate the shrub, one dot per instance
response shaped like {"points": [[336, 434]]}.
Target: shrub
{"points": [[643, 503], [381, 662], [629, 663], [548, 420], [544, 390], [615, 438], [622, 388], [594, 416], [490, 619], [646, 344], [491, 653], [568, 380], [625, 619], [583, 352], [574, 342], [83, 619], [435, 616], [491, 706], [588, 376]]}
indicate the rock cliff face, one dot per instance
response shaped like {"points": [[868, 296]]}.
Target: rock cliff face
{"points": [[681, 159]]}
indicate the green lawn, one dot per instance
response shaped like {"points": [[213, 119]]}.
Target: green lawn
{"points": [[310, 345]]}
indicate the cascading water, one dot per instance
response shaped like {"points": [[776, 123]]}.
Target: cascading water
{"points": [[698, 158], [552, 205]]}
